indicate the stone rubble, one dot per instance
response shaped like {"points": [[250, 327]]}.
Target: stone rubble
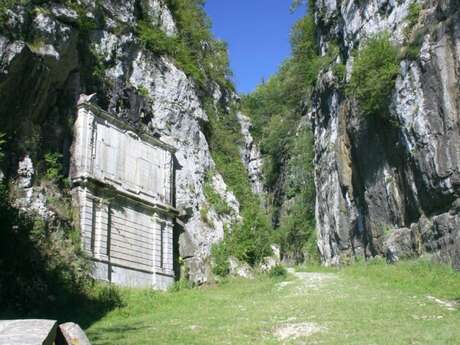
{"points": [[291, 331]]}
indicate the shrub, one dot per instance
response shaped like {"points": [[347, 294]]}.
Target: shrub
{"points": [[6, 5], [304, 48], [159, 43], [156, 40], [45, 273], [278, 271], [54, 168], [200, 55], [276, 109], [278, 134], [250, 241], [143, 91], [375, 68], [204, 215], [412, 50], [297, 231], [109, 296], [340, 71], [412, 17], [221, 266], [48, 265]]}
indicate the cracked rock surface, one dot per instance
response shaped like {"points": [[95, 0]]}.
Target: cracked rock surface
{"points": [[371, 179]]}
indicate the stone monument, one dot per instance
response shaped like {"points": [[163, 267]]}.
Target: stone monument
{"points": [[123, 184]]}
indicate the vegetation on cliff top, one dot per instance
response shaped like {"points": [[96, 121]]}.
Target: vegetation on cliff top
{"points": [[195, 51]]}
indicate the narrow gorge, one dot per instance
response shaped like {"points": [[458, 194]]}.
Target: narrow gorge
{"points": [[128, 155]]}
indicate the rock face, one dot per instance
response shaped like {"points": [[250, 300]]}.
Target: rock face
{"points": [[371, 179], [250, 154], [49, 56], [240, 269]]}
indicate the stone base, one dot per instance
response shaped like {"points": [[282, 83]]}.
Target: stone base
{"points": [[163, 282], [128, 277]]}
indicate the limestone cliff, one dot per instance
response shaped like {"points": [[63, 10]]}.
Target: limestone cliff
{"points": [[51, 52], [390, 189], [250, 154]]}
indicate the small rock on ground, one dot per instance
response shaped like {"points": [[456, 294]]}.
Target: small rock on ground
{"points": [[449, 305], [296, 330], [71, 334]]}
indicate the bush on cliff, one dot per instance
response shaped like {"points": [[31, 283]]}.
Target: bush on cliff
{"points": [[195, 51], [375, 68]]}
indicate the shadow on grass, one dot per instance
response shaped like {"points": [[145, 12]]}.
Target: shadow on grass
{"points": [[80, 309], [103, 336]]}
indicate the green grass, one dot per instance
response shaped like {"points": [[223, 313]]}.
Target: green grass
{"points": [[362, 304], [420, 276]]}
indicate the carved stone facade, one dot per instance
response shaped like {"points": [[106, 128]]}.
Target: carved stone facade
{"points": [[123, 183]]}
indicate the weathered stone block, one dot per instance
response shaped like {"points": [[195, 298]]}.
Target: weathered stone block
{"points": [[71, 334], [240, 269], [27, 332], [399, 245]]}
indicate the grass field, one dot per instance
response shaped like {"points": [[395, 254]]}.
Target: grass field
{"points": [[408, 304]]}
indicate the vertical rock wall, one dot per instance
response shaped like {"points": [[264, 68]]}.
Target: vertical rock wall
{"points": [[250, 155], [375, 181]]}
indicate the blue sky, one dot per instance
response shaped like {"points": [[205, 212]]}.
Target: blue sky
{"points": [[257, 32]]}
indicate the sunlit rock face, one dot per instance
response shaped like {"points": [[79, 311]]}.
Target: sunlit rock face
{"points": [[250, 154], [48, 58], [372, 178]]}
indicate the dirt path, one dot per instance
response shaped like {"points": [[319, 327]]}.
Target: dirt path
{"points": [[305, 281]]}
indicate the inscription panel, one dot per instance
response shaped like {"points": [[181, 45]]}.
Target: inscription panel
{"points": [[106, 150], [123, 159]]}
